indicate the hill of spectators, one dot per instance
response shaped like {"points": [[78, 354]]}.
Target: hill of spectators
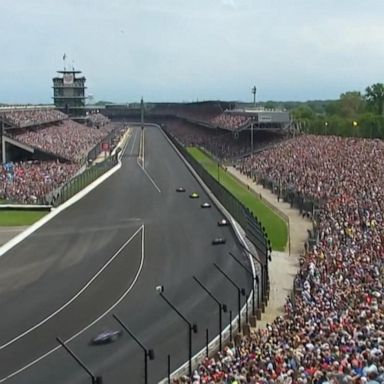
{"points": [[333, 327], [29, 117]]}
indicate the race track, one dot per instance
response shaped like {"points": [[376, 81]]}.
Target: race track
{"points": [[106, 254]]}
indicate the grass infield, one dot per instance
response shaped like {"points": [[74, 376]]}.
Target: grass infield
{"points": [[275, 226], [12, 217]]}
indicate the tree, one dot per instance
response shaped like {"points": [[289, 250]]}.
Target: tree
{"points": [[350, 104], [375, 97]]}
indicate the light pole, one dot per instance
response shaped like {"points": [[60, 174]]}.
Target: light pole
{"points": [[354, 125], [95, 379], [222, 308], [255, 280], [264, 273], [252, 137], [191, 327], [147, 352], [325, 127], [254, 89], [240, 292]]}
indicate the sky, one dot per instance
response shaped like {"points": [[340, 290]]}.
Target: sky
{"points": [[189, 50]]}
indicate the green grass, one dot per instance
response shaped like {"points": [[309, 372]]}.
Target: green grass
{"points": [[275, 226], [12, 217]]}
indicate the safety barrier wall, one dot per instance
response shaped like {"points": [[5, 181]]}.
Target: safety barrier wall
{"points": [[79, 182], [88, 174]]}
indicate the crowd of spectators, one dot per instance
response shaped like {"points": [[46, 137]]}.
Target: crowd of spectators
{"points": [[221, 144], [230, 121], [66, 139], [28, 117], [29, 182], [97, 120], [203, 111], [332, 330]]}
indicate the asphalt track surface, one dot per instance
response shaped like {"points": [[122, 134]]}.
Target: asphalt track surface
{"points": [[106, 254]]}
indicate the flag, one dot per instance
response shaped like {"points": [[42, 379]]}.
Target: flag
{"points": [[64, 56]]}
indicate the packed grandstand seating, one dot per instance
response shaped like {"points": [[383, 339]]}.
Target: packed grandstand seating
{"points": [[333, 327], [29, 117], [29, 182], [203, 111], [97, 120], [51, 132], [230, 121], [220, 144], [66, 139]]}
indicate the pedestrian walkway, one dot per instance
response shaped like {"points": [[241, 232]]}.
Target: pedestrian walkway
{"points": [[284, 265]]}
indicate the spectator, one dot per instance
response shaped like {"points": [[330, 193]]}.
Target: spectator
{"points": [[230, 121], [21, 118], [333, 332], [67, 139], [29, 182]]}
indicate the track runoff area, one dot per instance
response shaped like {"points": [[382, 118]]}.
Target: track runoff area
{"points": [[103, 254]]}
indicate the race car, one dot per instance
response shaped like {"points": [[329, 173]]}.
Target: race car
{"points": [[194, 195], [223, 223], [205, 205], [106, 337], [218, 241], [180, 189]]}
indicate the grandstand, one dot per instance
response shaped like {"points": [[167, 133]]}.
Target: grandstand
{"points": [[332, 329], [211, 114], [41, 145]]}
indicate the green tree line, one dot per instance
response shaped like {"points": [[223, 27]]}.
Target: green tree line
{"points": [[353, 114]]}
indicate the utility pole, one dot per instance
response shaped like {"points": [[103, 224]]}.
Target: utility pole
{"points": [[254, 89], [142, 113]]}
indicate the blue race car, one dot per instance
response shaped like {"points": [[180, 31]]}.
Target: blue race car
{"points": [[106, 337]]}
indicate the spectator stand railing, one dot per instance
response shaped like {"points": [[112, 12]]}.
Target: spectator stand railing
{"points": [[80, 181], [91, 173], [98, 148], [308, 207]]}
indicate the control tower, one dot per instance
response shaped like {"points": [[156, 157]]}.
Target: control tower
{"points": [[69, 92]]}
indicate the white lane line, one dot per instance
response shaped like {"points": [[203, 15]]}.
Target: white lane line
{"points": [[142, 164], [55, 211], [74, 297], [142, 229], [151, 180], [134, 141]]}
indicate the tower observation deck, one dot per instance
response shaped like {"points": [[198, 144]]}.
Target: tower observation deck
{"points": [[69, 92]]}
